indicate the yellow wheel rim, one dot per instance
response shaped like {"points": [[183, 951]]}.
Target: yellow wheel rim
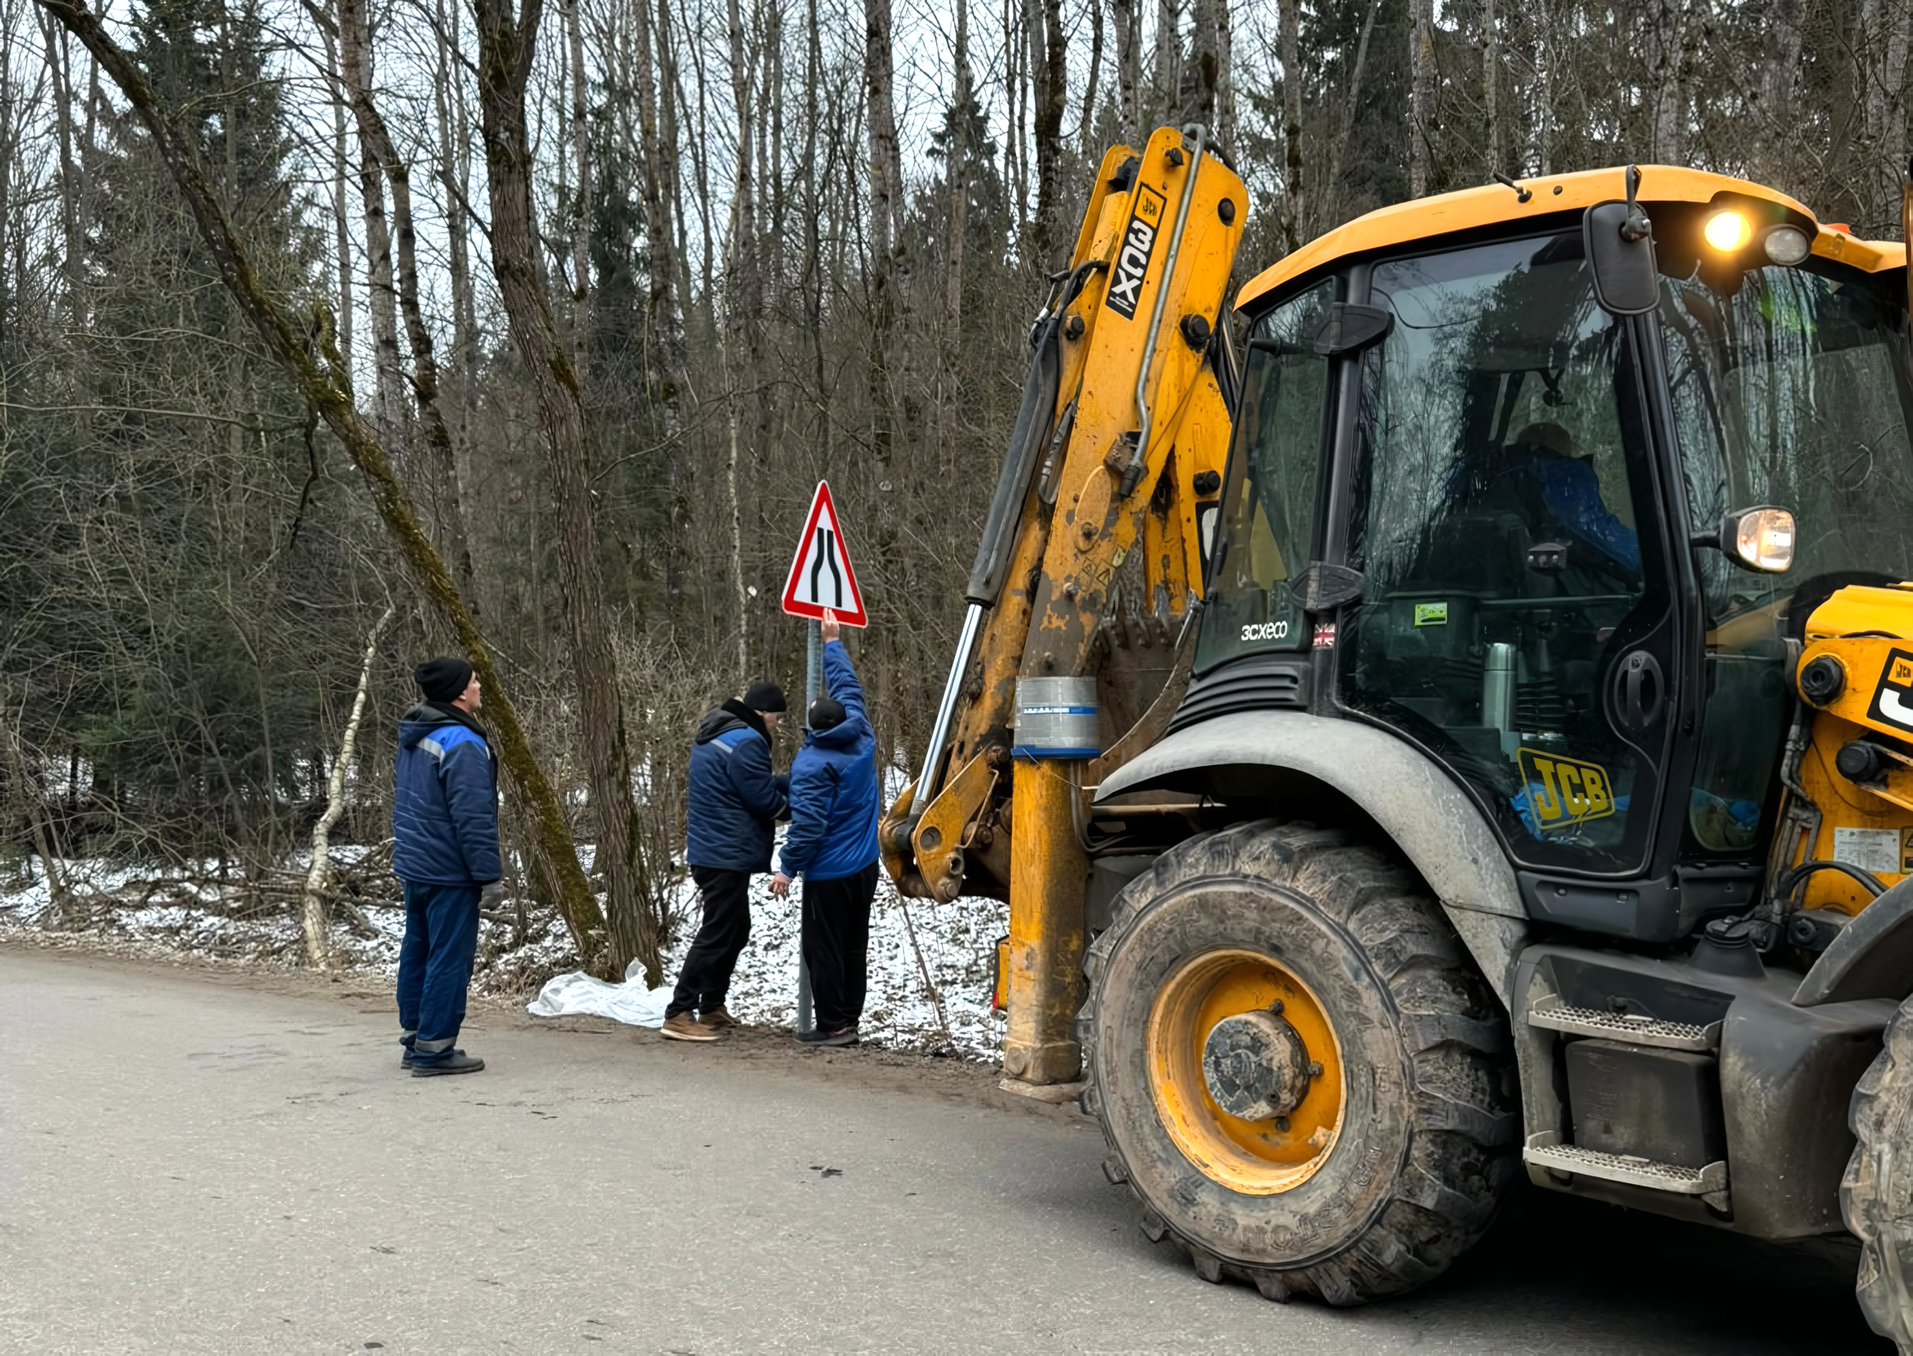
{"points": [[1258, 1157]]}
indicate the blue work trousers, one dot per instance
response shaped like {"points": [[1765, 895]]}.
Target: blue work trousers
{"points": [[435, 965]]}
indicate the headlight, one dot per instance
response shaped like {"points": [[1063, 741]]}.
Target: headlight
{"points": [[1786, 245], [1727, 231]]}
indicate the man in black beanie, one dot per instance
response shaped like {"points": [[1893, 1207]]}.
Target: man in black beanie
{"points": [[445, 851], [735, 801]]}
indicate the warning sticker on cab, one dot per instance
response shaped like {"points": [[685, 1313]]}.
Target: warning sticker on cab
{"points": [[1893, 698], [1563, 792]]}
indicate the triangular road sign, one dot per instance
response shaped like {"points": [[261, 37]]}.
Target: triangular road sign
{"points": [[820, 576]]}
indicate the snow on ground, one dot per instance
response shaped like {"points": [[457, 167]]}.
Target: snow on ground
{"points": [[136, 910]]}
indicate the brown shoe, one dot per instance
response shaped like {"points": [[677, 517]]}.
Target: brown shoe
{"points": [[680, 1027], [717, 1019]]}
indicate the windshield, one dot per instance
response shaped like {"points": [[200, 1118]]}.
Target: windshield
{"points": [[1791, 391]]}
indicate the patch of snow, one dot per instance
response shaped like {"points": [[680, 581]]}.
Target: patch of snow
{"points": [[952, 944]]}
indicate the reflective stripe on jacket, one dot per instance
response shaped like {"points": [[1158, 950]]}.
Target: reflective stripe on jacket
{"points": [[733, 798], [445, 802]]}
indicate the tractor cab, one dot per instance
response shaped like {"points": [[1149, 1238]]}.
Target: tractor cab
{"points": [[1560, 542]]}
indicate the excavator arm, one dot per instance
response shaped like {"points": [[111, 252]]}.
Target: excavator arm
{"points": [[1090, 566]]}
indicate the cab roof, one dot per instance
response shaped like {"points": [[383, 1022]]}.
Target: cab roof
{"points": [[1470, 209]]}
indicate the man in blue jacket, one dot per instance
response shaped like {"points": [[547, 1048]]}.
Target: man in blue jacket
{"points": [[445, 850], [832, 844], [734, 803]]}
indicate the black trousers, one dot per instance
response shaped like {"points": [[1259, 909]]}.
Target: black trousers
{"points": [[706, 976], [837, 945]]}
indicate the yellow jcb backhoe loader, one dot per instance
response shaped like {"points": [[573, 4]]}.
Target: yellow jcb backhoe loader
{"points": [[1450, 715]]}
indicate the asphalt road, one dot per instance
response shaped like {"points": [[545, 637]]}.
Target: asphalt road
{"points": [[197, 1160]]}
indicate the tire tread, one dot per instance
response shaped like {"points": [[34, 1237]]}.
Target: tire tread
{"points": [[1453, 1033]]}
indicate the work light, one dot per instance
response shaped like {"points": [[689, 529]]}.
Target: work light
{"points": [[1726, 231]]}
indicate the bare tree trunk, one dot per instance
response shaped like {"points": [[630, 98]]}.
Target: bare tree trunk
{"points": [[737, 509], [1086, 130], [813, 280], [12, 122], [660, 308], [1548, 48], [1126, 24], [506, 46], [1168, 79], [957, 168], [671, 101], [1225, 77], [60, 63], [1780, 50], [1886, 106], [455, 160], [20, 773], [1421, 97], [341, 220], [1666, 20], [355, 49], [1288, 25], [441, 463], [1203, 49], [770, 138], [1490, 87], [1351, 101], [1049, 99], [318, 877], [746, 297], [309, 354], [59, 896], [1016, 48], [581, 204], [884, 175]]}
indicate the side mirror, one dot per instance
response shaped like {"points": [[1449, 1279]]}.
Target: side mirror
{"points": [[1619, 242], [1759, 539]]}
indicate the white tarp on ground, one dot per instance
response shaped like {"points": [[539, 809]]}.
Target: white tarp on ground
{"points": [[578, 994]]}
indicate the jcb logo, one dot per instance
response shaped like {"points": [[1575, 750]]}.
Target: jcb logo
{"points": [[1565, 791], [1132, 260], [1892, 703]]}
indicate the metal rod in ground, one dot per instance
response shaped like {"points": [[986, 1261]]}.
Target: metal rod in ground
{"points": [[813, 665]]}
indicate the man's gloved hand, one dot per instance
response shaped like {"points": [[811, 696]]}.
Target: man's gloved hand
{"points": [[491, 896]]}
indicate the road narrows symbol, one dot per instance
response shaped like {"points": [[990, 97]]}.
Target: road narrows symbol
{"points": [[821, 576]]}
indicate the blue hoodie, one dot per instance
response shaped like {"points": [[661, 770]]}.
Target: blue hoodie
{"points": [[445, 801], [833, 786]]}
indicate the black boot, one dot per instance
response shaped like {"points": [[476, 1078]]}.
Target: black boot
{"points": [[456, 1062]]}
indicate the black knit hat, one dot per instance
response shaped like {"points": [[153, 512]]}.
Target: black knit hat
{"points": [[825, 713], [444, 679], [764, 695]]}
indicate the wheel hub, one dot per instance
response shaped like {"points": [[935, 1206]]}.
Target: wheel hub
{"points": [[1256, 1066]]}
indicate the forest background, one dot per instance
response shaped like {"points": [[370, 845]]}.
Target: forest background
{"points": [[336, 333]]}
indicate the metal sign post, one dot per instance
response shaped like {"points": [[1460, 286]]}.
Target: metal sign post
{"points": [[813, 664], [820, 580]]}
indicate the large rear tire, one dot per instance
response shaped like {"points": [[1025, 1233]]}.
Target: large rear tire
{"points": [[1876, 1194], [1307, 983]]}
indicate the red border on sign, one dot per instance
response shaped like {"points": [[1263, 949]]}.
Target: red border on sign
{"points": [[853, 615]]}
